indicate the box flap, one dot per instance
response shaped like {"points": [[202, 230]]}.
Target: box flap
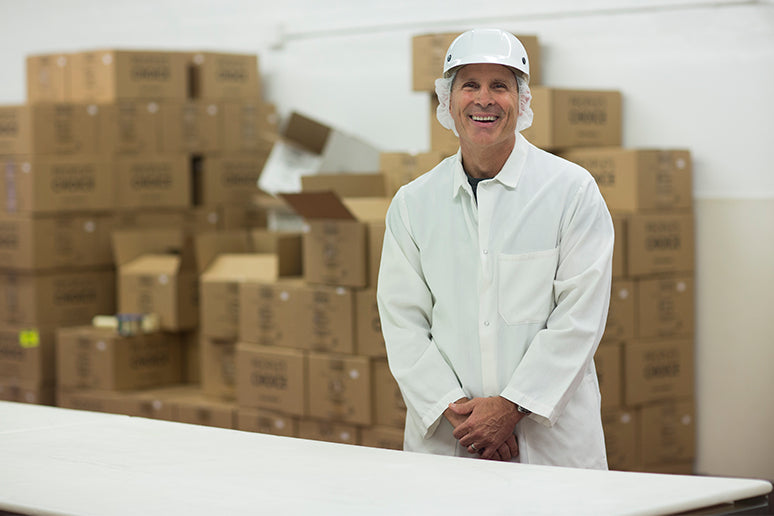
{"points": [[318, 205], [307, 133], [286, 164], [211, 244], [368, 209], [346, 185], [242, 267], [154, 264], [129, 244]]}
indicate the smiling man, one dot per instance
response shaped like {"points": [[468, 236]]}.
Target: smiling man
{"points": [[495, 279]]}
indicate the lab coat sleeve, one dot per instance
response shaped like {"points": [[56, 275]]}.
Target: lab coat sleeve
{"points": [[559, 355], [426, 380]]}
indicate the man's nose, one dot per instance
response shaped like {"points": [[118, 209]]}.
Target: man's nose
{"points": [[484, 97]]}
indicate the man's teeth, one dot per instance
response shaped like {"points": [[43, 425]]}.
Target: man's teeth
{"points": [[483, 118]]}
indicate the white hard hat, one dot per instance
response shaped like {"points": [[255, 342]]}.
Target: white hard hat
{"points": [[486, 46]]}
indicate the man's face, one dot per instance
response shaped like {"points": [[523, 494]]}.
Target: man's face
{"points": [[485, 104]]}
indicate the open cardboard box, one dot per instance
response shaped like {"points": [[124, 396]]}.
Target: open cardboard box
{"points": [[343, 242], [230, 258], [157, 274]]}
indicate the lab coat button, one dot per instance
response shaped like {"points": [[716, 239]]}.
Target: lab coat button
{"points": [[486, 251], [486, 323]]}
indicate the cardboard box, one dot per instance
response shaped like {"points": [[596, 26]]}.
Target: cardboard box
{"points": [[620, 315], [566, 118], [100, 358], [200, 410], [670, 468], [637, 180], [190, 126], [227, 217], [56, 184], [190, 343], [665, 307], [667, 432], [105, 76], [218, 368], [227, 179], [21, 392], [346, 185], [194, 220], [369, 340], [157, 274], [29, 243], [429, 52], [336, 245], [158, 403], [620, 427], [389, 407], [285, 245], [248, 126], [340, 388], [162, 181], [27, 354], [91, 399], [656, 370], [267, 422], [308, 147], [48, 78], [271, 378], [188, 220], [323, 318], [229, 259], [659, 243], [56, 298], [382, 437], [224, 76], [130, 127], [265, 315], [400, 168], [51, 128], [609, 364], [328, 431], [619, 246], [219, 290]]}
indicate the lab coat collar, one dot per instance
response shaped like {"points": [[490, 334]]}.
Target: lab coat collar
{"points": [[508, 176]]}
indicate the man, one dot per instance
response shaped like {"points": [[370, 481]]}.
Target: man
{"points": [[495, 279]]}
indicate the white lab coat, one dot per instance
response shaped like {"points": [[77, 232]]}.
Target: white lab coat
{"points": [[505, 297]]}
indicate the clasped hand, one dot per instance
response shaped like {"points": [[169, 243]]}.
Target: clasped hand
{"points": [[485, 426]]}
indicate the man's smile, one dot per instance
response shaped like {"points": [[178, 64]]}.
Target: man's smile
{"points": [[484, 118]]}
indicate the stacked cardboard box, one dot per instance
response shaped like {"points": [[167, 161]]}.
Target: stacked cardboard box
{"points": [[112, 141], [645, 361], [55, 261], [310, 359]]}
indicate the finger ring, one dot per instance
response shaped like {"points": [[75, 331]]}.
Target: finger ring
{"points": [[473, 447]]}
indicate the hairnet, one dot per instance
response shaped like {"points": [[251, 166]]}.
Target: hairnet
{"points": [[443, 91]]}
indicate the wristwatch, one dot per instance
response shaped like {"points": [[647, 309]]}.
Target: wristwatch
{"points": [[523, 410]]}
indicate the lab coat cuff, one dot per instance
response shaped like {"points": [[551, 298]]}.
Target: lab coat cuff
{"points": [[540, 412], [432, 417]]}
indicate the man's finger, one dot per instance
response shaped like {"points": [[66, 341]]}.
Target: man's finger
{"points": [[461, 408], [512, 445]]}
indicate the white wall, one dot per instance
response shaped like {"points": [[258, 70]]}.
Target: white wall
{"points": [[693, 74]]}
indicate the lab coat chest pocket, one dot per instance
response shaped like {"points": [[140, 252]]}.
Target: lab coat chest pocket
{"points": [[525, 286]]}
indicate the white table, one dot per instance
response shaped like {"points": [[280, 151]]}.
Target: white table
{"points": [[60, 461]]}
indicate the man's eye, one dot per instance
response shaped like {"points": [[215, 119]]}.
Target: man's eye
{"points": [[469, 85]]}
